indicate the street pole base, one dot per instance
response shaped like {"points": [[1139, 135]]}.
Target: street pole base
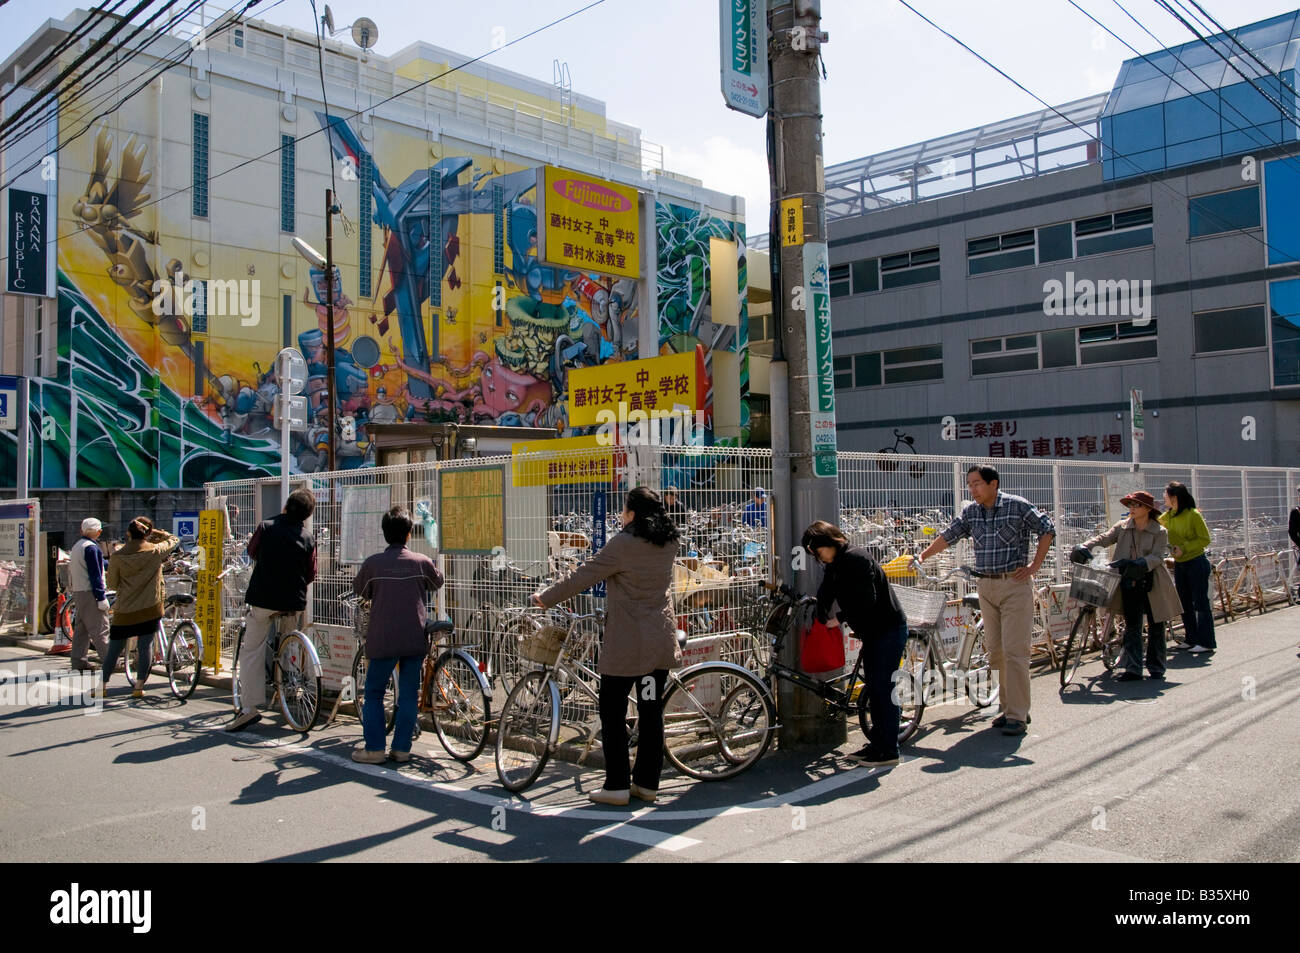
{"points": [[811, 731]]}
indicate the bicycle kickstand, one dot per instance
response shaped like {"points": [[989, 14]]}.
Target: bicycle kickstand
{"points": [[347, 693]]}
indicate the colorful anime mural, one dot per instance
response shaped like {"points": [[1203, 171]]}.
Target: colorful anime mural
{"points": [[456, 319]]}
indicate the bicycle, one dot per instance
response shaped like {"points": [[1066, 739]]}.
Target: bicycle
{"points": [[293, 672], [1094, 588], [968, 666], [178, 642]]}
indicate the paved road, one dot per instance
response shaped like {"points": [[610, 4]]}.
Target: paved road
{"points": [[1201, 768]]}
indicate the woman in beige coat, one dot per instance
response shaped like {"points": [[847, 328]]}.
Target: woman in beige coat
{"points": [[639, 645], [135, 572], [1146, 588]]}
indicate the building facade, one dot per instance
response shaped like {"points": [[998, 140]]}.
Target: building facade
{"points": [[1000, 292], [177, 280]]}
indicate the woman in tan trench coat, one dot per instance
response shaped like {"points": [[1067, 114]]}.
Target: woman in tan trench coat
{"points": [[1140, 545], [639, 645]]}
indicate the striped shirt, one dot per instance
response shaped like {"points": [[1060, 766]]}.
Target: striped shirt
{"points": [[1000, 535]]}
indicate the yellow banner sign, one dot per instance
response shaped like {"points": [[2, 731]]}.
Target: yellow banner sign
{"points": [[589, 224], [207, 602], [564, 460], [791, 222], [657, 384]]}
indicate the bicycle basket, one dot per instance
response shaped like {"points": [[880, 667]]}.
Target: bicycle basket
{"points": [[923, 607], [361, 618], [541, 643], [178, 586], [1096, 587]]}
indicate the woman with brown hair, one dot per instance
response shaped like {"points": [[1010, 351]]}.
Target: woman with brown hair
{"points": [[866, 602], [135, 571]]}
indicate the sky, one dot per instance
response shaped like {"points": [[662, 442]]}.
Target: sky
{"points": [[892, 80]]}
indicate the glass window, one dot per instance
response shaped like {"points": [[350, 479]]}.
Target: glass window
{"points": [[914, 372], [1284, 314], [1059, 348], [1123, 351], [1001, 261], [1136, 216], [913, 276], [1091, 226], [1005, 364], [1022, 341], [986, 347], [1230, 330], [843, 367], [1100, 332], [925, 256], [1055, 243], [1115, 241], [866, 370], [980, 246], [892, 262], [1281, 199], [866, 276], [909, 355], [839, 276], [286, 183], [199, 181], [1018, 239]]}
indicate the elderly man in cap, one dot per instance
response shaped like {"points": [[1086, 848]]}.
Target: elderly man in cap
{"points": [[755, 513], [86, 567]]}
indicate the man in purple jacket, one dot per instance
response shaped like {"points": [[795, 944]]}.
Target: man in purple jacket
{"points": [[396, 582], [86, 568]]}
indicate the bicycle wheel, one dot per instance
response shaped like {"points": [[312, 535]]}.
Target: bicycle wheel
{"points": [[910, 685], [1112, 641], [298, 686], [50, 619], [235, 673], [1075, 644], [529, 726], [981, 679], [460, 708], [185, 659], [718, 721], [359, 669]]}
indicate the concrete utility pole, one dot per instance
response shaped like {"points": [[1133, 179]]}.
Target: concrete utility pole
{"points": [[330, 384], [798, 180]]}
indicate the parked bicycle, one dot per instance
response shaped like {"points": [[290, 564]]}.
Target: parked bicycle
{"points": [[293, 672], [928, 656]]}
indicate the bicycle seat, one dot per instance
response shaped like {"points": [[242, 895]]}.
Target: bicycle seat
{"points": [[436, 627], [180, 599], [971, 600]]}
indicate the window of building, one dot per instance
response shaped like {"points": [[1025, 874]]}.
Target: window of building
{"points": [[1284, 320], [855, 277], [999, 252], [1223, 212], [1114, 232], [239, 38], [286, 183], [199, 323], [909, 268], [435, 236], [906, 365], [286, 320], [1281, 199], [1055, 243], [841, 286], [1067, 347], [1230, 330], [199, 168]]}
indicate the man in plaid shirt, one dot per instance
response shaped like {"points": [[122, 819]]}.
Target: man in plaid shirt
{"points": [[999, 526]]}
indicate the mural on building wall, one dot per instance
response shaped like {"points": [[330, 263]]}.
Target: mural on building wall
{"points": [[457, 320]]}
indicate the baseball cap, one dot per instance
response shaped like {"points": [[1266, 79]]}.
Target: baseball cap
{"points": [[759, 491], [90, 525]]}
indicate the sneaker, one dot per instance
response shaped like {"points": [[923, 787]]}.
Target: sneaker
{"points": [[82, 667], [243, 720], [1013, 727], [1129, 677], [1157, 678], [604, 796], [645, 794], [401, 757], [1182, 646], [1001, 720], [1199, 649], [137, 693], [874, 757], [366, 756]]}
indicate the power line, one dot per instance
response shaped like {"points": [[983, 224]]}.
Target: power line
{"points": [[1139, 171], [1249, 52], [81, 29]]}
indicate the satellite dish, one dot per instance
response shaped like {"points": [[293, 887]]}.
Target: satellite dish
{"points": [[328, 20], [365, 33]]}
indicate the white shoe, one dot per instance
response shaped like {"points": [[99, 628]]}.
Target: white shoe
{"points": [[602, 796], [644, 794], [1198, 649]]}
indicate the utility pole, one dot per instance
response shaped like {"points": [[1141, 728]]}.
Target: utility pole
{"points": [[803, 312], [330, 210]]}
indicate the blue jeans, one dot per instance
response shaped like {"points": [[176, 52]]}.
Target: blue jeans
{"points": [[115, 649], [1192, 580], [378, 673], [881, 653]]}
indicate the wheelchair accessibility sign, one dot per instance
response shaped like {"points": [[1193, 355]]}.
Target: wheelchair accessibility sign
{"points": [[185, 524]]}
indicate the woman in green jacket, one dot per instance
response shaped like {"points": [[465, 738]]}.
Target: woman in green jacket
{"points": [[1189, 537]]}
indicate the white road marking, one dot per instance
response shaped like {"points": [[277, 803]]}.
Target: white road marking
{"points": [[638, 835]]}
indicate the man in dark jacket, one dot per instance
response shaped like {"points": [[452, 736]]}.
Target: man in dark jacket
{"points": [[284, 555], [396, 582]]}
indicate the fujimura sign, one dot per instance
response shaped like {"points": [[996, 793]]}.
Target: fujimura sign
{"points": [[588, 224]]}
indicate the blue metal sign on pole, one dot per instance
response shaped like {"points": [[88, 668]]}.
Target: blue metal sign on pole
{"points": [[598, 534]]}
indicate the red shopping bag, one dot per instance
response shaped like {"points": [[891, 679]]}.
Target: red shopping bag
{"points": [[822, 650]]}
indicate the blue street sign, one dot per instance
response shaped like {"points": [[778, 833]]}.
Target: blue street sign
{"points": [[598, 534]]}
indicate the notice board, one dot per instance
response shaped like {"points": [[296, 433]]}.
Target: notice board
{"points": [[472, 509]]}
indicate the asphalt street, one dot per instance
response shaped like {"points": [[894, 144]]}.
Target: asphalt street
{"points": [[1201, 767]]}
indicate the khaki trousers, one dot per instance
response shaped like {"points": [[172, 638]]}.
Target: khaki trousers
{"points": [[1007, 608], [91, 628]]}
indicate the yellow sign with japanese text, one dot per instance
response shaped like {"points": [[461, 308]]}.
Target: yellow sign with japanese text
{"points": [[589, 224], [564, 460], [791, 222], [664, 384], [211, 541]]}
